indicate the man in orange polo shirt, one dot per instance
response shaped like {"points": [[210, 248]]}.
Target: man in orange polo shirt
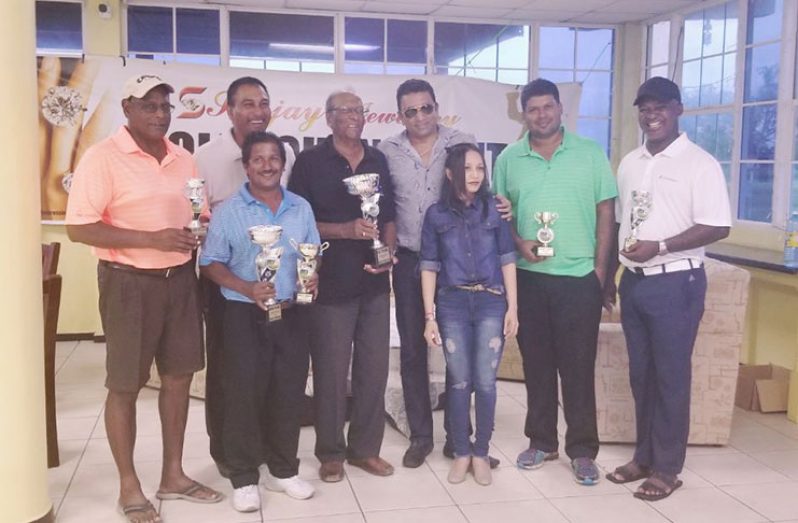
{"points": [[127, 202]]}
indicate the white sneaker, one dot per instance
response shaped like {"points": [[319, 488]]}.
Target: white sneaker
{"points": [[246, 498], [294, 486]]}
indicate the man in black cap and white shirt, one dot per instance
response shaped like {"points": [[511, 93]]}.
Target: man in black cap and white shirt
{"points": [[675, 193]]}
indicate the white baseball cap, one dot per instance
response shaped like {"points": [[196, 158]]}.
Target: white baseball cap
{"points": [[139, 85]]}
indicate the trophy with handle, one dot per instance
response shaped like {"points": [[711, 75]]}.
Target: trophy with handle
{"points": [[367, 186], [306, 267], [641, 208], [545, 234], [267, 262], [196, 196]]}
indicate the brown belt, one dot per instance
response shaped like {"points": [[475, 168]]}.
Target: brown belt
{"points": [[478, 287], [158, 273]]}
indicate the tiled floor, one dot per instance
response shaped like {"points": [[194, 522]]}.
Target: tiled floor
{"points": [[754, 479]]}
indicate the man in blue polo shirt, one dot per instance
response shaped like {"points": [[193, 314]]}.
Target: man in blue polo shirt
{"points": [[267, 362]]}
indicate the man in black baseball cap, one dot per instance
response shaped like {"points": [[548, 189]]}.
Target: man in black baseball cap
{"points": [[658, 88]]}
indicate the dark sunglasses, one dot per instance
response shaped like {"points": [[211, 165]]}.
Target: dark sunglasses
{"points": [[413, 111]]}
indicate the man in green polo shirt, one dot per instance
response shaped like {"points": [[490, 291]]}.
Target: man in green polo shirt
{"points": [[551, 172]]}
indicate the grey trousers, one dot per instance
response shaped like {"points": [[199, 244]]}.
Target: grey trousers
{"points": [[356, 332]]}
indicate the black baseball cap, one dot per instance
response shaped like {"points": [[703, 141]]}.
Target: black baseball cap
{"points": [[660, 89]]}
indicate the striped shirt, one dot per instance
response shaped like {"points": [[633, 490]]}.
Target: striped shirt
{"points": [[228, 240], [576, 178]]}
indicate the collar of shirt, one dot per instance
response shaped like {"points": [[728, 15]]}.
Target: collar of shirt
{"points": [[124, 140], [232, 146], [567, 139], [289, 200], [328, 146], [671, 151]]}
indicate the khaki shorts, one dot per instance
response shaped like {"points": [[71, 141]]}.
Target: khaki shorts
{"points": [[146, 316]]}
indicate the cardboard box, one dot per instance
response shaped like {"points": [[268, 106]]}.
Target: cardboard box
{"points": [[762, 388]]}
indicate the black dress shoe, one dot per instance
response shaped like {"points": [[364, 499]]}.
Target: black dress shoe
{"points": [[448, 452], [415, 455]]}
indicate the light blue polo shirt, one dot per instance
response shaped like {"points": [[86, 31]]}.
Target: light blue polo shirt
{"points": [[228, 240]]}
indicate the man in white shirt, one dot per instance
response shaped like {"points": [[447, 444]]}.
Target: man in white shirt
{"points": [[672, 202], [220, 164]]}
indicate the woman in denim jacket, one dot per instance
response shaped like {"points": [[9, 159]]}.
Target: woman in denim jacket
{"points": [[468, 257]]}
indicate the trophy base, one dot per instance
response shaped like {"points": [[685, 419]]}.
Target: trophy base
{"points": [[544, 251], [304, 298], [197, 229], [274, 312], [382, 256], [628, 243]]}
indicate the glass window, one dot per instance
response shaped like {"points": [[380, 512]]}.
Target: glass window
{"points": [[364, 39], [759, 132], [762, 73], [756, 192], [691, 84], [595, 129], [693, 35], [407, 41], [473, 50], [198, 31], [659, 70], [556, 76], [764, 20], [711, 80], [281, 36], [59, 26], [659, 36], [557, 47], [596, 96], [149, 29], [728, 80], [594, 49]]}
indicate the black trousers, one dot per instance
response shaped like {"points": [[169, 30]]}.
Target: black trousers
{"points": [[558, 332], [213, 311], [265, 371]]}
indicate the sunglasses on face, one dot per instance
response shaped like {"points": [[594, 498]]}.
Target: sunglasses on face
{"points": [[413, 111]]}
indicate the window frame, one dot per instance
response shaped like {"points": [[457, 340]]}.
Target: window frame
{"points": [[48, 51]]}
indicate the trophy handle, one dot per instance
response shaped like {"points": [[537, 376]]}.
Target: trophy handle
{"points": [[323, 247]]}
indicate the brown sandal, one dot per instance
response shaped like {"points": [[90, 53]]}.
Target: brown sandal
{"points": [[628, 473], [658, 486]]}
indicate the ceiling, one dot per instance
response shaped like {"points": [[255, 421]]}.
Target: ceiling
{"points": [[550, 11]]}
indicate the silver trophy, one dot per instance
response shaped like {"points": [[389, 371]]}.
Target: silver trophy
{"points": [[641, 209], [545, 234], [306, 267], [196, 196], [267, 262], [367, 186]]}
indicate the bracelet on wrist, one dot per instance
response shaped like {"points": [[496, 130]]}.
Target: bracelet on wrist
{"points": [[430, 316]]}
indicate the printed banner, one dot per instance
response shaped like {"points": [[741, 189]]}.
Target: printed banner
{"points": [[80, 105]]}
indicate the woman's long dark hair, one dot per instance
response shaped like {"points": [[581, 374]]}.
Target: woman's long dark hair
{"points": [[453, 189]]}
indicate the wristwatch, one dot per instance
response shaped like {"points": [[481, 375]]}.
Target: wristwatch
{"points": [[663, 248]]}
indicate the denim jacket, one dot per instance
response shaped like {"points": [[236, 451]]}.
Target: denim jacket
{"points": [[465, 249]]}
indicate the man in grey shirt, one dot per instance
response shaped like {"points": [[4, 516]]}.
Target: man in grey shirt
{"points": [[416, 159]]}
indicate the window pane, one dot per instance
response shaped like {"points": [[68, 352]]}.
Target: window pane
{"points": [[732, 25], [598, 130], [197, 59], [485, 74], [659, 36], [713, 28], [450, 71], [247, 63], [407, 41], [409, 70], [711, 80], [557, 47], [660, 70], [691, 83], [318, 67], [756, 192], [365, 39], [283, 65], [723, 148], [762, 73], [759, 132], [450, 45], [764, 20], [693, 35], [729, 76], [198, 31], [596, 93], [512, 76], [293, 37], [361, 68], [556, 76], [594, 49], [687, 123], [794, 192], [514, 51], [58, 26], [706, 127], [149, 29]]}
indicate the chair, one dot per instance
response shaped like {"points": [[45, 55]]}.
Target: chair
{"points": [[51, 293]]}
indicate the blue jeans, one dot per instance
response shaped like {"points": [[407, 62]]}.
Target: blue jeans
{"points": [[471, 325]]}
